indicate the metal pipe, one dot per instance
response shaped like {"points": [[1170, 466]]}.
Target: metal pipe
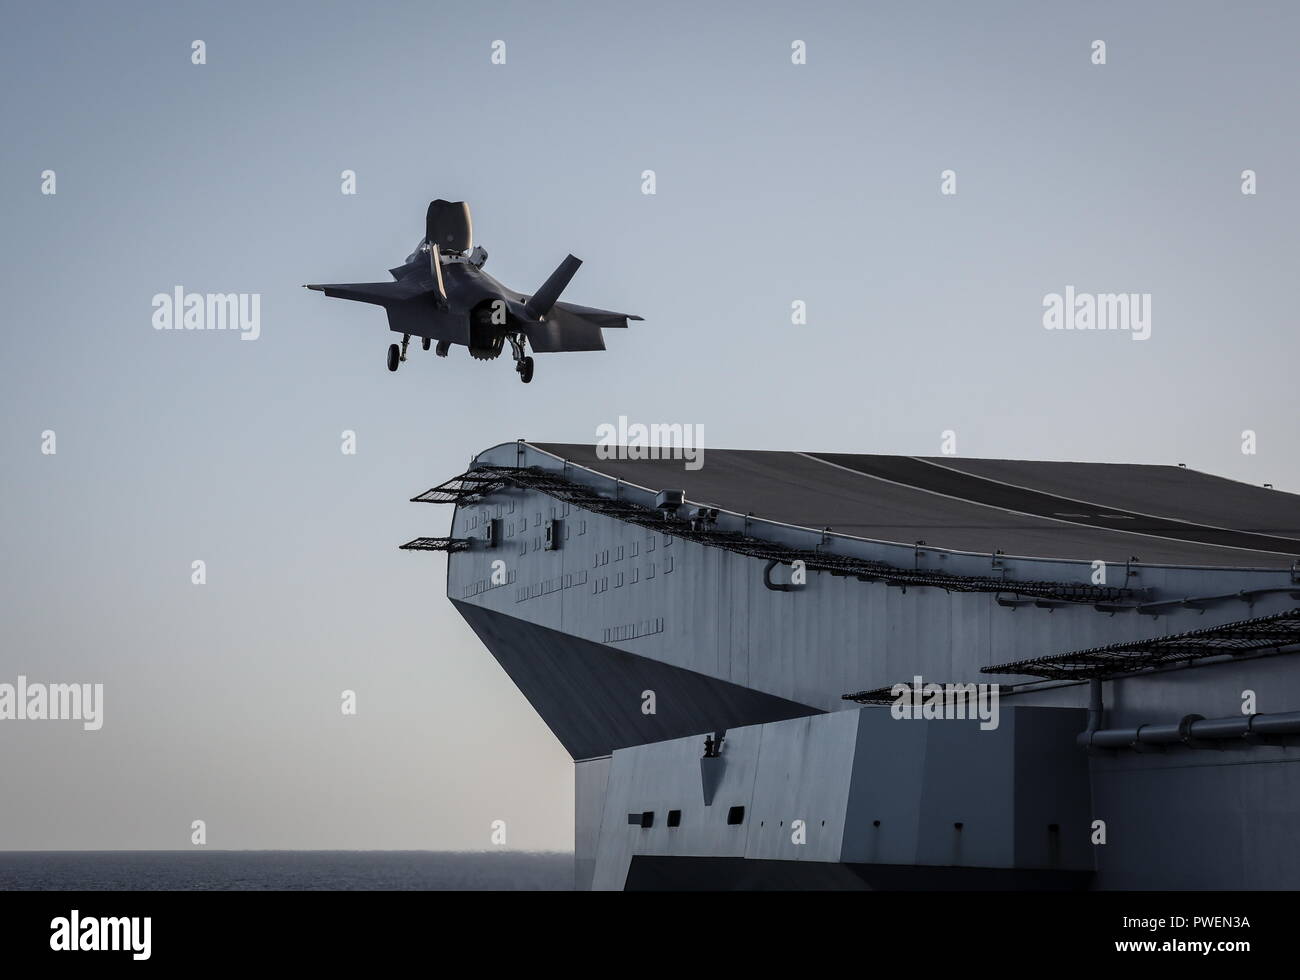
{"points": [[1095, 708], [1245, 595], [1192, 731]]}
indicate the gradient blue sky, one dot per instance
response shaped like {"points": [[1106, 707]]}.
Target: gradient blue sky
{"points": [[775, 183]]}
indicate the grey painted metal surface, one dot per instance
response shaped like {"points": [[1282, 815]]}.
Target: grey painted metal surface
{"points": [[1141, 527], [812, 491], [566, 620], [596, 699], [1171, 491], [1225, 823], [708, 611], [590, 778], [861, 787]]}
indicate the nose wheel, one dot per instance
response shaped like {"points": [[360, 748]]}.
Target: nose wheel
{"points": [[525, 369]]}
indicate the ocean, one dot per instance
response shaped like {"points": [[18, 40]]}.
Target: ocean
{"points": [[285, 871]]}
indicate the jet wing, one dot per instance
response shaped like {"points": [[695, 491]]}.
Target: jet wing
{"points": [[606, 319], [379, 293]]}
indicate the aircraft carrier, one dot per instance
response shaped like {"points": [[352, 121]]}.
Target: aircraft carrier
{"points": [[718, 649]]}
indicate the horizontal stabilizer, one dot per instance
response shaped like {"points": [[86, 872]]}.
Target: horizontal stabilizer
{"points": [[606, 319], [563, 332]]}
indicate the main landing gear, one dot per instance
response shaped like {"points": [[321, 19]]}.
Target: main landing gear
{"points": [[397, 355], [518, 342], [523, 363]]}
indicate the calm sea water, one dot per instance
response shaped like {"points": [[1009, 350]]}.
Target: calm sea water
{"points": [[284, 870]]}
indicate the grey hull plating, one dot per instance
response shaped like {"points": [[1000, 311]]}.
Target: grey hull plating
{"points": [[634, 644]]}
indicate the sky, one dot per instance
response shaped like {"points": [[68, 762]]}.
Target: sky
{"points": [[775, 183]]}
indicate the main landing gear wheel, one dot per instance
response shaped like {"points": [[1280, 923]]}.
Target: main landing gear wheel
{"points": [[425, 343], [525, 369], [394, 355]]}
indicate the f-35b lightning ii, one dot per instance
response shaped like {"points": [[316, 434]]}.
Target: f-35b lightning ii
{"points": [[442, 295]]}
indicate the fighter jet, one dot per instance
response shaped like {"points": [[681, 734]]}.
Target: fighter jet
{"points": [[441, 294]]}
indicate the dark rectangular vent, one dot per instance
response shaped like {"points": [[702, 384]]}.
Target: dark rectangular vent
{"points": [[736, 815], [674, 818]]}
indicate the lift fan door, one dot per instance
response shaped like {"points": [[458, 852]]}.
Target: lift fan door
{"points": [[448, 226]]}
